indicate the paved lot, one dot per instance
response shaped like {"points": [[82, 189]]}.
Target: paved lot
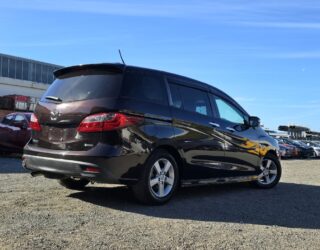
{"points": [[38, 213]]}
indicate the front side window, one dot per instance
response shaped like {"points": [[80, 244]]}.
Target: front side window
{"points": [[190, 99], [144, 87], [229, 112]]}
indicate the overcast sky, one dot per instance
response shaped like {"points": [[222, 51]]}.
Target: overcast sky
{"points": [[265, 54]]}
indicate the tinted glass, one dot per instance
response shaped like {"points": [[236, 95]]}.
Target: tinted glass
{"points": [[84, 87], [195, 100], [146, 87], [28, 116], [175, 96], [8, 119], [19, 118], [228, 112]]}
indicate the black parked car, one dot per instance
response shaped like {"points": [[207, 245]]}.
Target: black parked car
{"points": [[148, 129], [304, 150]]}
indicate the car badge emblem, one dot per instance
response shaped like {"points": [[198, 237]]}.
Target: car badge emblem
{"points": [[54, 115]]}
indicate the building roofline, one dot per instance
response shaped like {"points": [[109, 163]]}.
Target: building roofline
{"points": [[31, 60]]}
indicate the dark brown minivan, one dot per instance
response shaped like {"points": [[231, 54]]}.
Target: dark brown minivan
{"points": [[147, 129]]}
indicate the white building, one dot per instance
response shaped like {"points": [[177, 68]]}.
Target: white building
{"points": [[20, 76]]}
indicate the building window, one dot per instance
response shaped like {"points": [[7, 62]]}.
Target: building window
{"points": [[0, 65], [50, 74], [44, 73], [33, 72], [5, 66], [25, 74], [38, 72], [12, 68], [19, 69]]}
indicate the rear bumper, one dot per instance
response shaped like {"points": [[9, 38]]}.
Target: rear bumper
{"points": [[100, 164], [61, 167], [307, 153]]}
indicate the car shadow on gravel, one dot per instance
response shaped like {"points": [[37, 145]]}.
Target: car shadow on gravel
{"points": [[287, 205], [11, 164]]}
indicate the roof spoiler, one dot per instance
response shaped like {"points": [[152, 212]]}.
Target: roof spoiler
{"points": [[107, 67]]}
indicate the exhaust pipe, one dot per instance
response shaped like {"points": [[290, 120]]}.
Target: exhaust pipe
{"points": [[35, 174]]}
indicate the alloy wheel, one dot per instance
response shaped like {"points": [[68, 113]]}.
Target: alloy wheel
{"points": [[269, 172], [161, 178]]}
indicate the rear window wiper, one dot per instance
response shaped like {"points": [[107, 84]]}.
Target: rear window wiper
{"points": [[53, 98]]}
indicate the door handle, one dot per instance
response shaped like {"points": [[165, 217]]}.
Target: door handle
{"points": [[230, 129], [216, 125]]}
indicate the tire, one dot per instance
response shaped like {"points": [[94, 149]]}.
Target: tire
{"points": [[74, 184], [272, 166], [159, 179]]}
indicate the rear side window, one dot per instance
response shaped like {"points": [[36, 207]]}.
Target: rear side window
{"points": [[145, 87], [84, 87], [190, 99]]}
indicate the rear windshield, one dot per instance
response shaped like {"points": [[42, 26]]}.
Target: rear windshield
{"points": [[84, 87]]}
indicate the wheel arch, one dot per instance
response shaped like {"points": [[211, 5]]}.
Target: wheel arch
{"points": [[273, 153], [176, 155]]}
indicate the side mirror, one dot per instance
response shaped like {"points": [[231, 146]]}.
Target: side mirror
{"points": [[254, 121]]}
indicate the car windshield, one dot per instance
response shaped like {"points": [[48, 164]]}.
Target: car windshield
{"points": [[313, 144], [300, 143]]}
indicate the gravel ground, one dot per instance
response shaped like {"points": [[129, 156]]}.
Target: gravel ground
{"points": [[37, 213]]}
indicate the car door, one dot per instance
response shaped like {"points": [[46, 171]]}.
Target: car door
{"points": [[200, 143], [242, 147], [6, 131], [22, 133]]}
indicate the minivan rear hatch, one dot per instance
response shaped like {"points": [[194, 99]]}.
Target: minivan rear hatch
{"points": [[77, 92]]}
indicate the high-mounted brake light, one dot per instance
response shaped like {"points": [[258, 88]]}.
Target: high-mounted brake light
{"points": [[34, 123], [106, 122]]}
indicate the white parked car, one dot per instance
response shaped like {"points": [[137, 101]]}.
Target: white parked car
{"points": [[316, 148]]}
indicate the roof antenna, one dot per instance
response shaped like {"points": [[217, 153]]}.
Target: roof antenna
{"points": [[121, 57]]}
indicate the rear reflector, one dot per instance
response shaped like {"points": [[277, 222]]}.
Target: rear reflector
{"points": [[92, 170], [106, 122], [34, 123]]}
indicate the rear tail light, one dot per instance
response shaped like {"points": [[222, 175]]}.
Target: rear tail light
{"points": [[34, 123], [106, 122]]}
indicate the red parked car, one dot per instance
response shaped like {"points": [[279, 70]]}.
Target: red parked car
{"points": [[14, 132]]}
